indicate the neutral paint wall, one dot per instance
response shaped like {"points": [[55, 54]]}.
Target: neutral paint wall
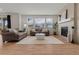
{"points": [[15, 21], [23, 20], [70, 8], [76, 22]]}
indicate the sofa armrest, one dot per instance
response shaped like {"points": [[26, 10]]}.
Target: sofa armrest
{"points": [[8, 36]]}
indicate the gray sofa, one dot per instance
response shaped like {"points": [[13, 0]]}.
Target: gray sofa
{"points": [[45, 31], [12, 36]]}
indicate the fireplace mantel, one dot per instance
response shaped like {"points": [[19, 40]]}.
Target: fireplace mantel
{"points": [[65, 20]]}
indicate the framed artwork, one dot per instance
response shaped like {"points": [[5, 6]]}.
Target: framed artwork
{"points": [[30, 21], [64, 15]]}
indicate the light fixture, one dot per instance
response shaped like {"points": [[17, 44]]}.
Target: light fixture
{"points": [[25, 25]]}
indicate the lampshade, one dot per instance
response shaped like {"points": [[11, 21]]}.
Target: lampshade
{"points": [[25, 25]]}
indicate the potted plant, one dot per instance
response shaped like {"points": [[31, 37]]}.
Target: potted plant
{"points": [[55, 28]]}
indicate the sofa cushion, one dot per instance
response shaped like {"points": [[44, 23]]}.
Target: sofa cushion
{"points": [[20, 33], [44, 30], [33, 30], [13, 30]]}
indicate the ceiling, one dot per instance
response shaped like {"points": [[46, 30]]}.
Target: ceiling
{"points": [[32, 8]]}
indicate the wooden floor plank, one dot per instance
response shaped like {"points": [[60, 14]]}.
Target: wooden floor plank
{"points": [[39, 49]]}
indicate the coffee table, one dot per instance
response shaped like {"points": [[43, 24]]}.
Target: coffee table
{"points": [[40, 36]]}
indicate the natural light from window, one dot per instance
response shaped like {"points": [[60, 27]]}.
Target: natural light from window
{"points": [[41, 22]]}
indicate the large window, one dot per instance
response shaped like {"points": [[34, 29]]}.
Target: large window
{"points": [[42, 22], [49, 22]]}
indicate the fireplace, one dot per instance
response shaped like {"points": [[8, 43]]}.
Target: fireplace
{"points": [[64, 31]]}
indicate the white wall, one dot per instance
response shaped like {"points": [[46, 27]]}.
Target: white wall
{"points": [[14, 21], [23, 20]]}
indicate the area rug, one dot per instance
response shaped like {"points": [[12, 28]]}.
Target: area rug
{"points": [[34, 40]]}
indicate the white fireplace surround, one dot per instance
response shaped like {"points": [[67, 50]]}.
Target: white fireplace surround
{"points": [[66, 23]]}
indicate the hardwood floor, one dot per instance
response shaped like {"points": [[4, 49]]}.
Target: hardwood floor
{"points": [[39, 49]]}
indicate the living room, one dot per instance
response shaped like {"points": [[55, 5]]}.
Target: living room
{"points": [[33, 27], [33, 23]]}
